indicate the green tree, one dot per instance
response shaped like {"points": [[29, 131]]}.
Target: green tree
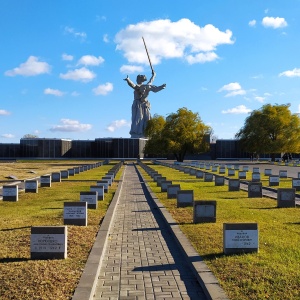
{"points": [[180, 133], [271, 129]]}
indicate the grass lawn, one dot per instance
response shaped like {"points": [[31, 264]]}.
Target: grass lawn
{"points": [[273, 272], [23, 278]]}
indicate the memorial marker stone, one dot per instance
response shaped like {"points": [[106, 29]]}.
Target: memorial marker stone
{"points": [[164, 185], [45, 181], [75, 213], [254, 190], [91, 198], [296, 184], [240, 238], [219, 180], [99, 189], [286, 197], [56, 177], [10, 193], [185, 198], [199, 174], [172, 191], [255, 177], [274, 180], [283, 174], [49, 242], [233, 185], [64, 174], [208, 177], [31, 186], [204, 211], [242, 174]]}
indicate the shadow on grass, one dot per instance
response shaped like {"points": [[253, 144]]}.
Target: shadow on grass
{"points": [[264, 208], [292, 223], [10, 229], [13, 259]]}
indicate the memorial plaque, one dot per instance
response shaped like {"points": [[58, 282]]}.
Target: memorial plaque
{"points": [[71, 172], [192, 172], [105, 183], [207, 167], [159, 180], [75, 213], [208, 177], [286, 197], [231, 172], [199, 174], [283, 174], [296, 184], [64, 174], [214, 169], [256, 177], [240, 238], [185, 198], [164, 185], [256, 170], [31, 186], [246, 168], [99, 189], [109, 178], [156, 176], [172, 191], [10, 193], [268, 172], [91, 198], [237, 167], [255, 190], [274, 180], [222, 170], [204, 211], [56, 177], [202, 166], [45, 181], [76, 170], [219, 180], [233, 185], [48, 242], [242, 174]]}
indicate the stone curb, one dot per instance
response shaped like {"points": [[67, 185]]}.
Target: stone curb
{"points": [[205, 277], [89, 278]]}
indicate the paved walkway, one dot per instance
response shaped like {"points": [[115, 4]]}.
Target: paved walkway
{"points": [[142, 261]]}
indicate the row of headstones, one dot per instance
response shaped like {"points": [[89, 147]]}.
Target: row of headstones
{"points": [[50, 242], [237, 237], [11, 192], [286, 197]]}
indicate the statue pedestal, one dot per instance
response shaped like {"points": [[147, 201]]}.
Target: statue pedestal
{"points": [[120, 147]]}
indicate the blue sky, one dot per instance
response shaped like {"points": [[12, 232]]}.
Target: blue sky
{"points": [[63, 63]]}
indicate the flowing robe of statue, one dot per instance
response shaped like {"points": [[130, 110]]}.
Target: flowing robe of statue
{"points": [[141, 106]]}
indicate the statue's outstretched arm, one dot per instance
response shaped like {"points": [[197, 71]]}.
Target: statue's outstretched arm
{"points": [[156, 89], [152, 78], [129, 82]]}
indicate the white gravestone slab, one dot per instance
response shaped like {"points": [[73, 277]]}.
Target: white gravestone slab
{"points": [[240, 238], [99, 189], [75, 213], [10, 193], [91, 198], [49, 242]]}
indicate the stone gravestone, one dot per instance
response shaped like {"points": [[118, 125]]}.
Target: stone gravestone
{"points": [[286, 197], [296, 184], [231, 172], [274, 180], [246, 168], [159, 180], [219, 180], [56, 177], [172, 191], [75, 213], [255, 190], [45, 180], [237, 167], [256, 170], [192, 172], [99, 189], [268, 172], [233, 185], [109, 178], [185, 198], [91, 198], [283, 174], [214, 169], [64, 174], [205, 211], [105, 183], [10, 193], [240, 238], [199, 174], [76, 170], [256, 177], [48, 242], [164, 185], [31, 186], [71, 172], [208, 177], [242, 174], [222, 170]]}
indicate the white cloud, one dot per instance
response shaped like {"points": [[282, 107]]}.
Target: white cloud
{"points": [[291, 73], [31, 67], [127, 69], [4, 112], [274, 22], [7, 136], [252, 23], [105, 38], [90, 60], [53, 92], [75, 94], [103, 89], [67, 57], [166, 40], [68, 125], [76, 34], [240, 109], [232, 89], [260, 99], [82, 74], [117, 124]]}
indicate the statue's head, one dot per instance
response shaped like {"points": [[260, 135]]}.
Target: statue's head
{"points": [[141, 78]]}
